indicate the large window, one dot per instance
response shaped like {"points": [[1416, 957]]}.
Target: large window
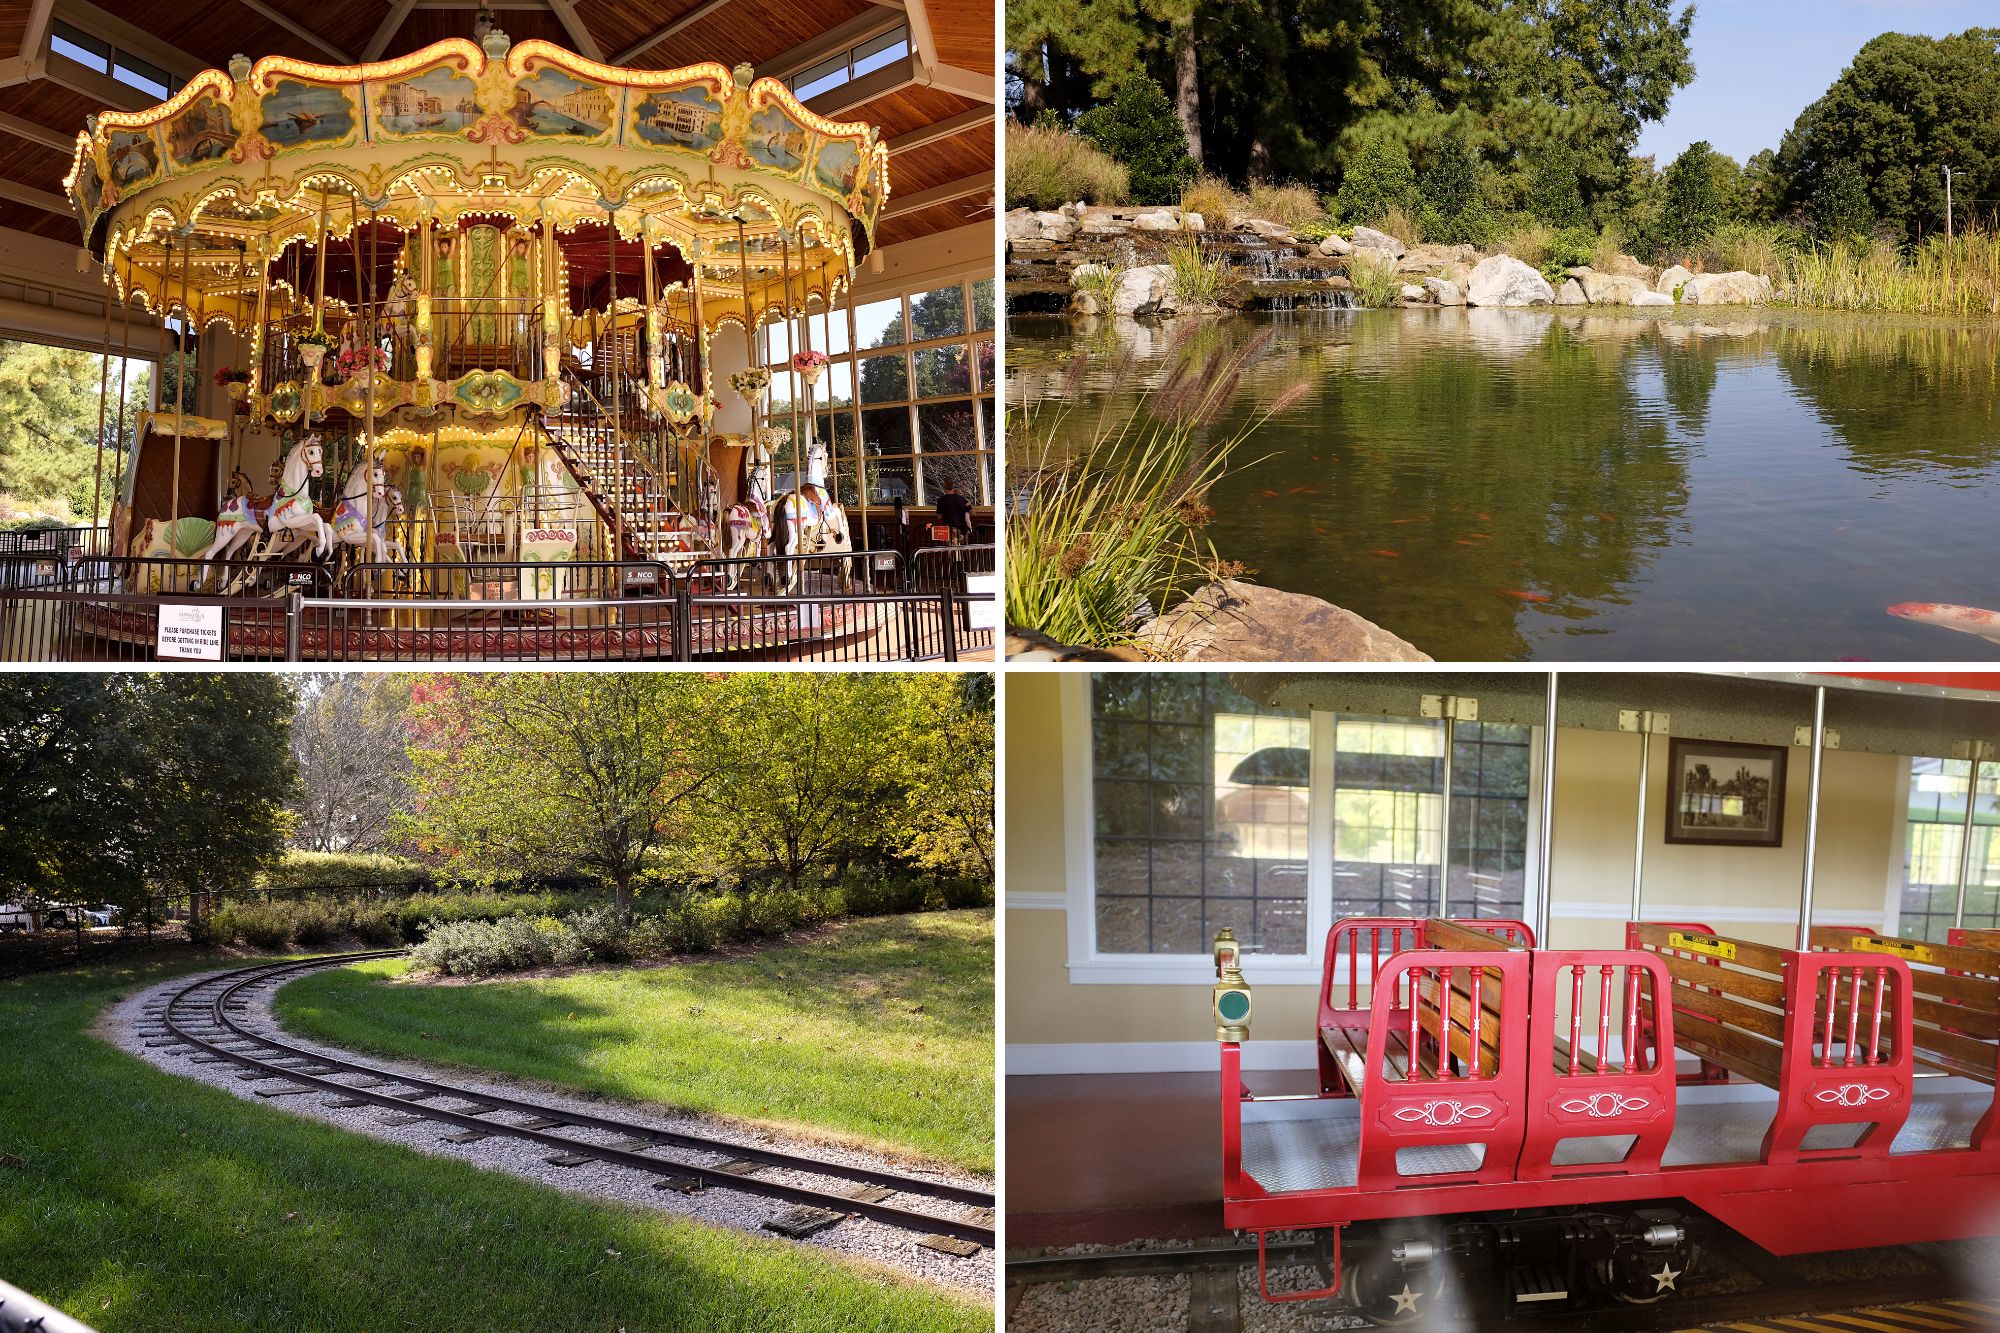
{"points": [[1936, 833], [1204, 810], [911, 377]]}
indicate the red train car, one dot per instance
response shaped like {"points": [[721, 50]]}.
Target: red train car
{"points": [[1567, 1121]]}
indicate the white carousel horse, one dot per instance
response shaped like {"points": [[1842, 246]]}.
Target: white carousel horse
{"points": [[351, 516], [201, 539], [743, 528], [291, 519], [809, 521], [237, 526]]}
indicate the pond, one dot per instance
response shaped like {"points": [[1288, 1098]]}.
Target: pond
{"points": [[1510, 484]]}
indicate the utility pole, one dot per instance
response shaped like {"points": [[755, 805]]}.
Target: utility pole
{"points": [[1947, 205]]}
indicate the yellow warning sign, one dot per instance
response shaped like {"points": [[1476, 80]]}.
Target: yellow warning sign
{"points": [[1916, 953], [1705, 944]]}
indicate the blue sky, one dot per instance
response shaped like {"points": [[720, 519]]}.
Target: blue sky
{"points": [[1758, 63]]}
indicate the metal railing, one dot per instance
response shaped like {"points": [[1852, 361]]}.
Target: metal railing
{"points": [[936, 568], [795, 608]]}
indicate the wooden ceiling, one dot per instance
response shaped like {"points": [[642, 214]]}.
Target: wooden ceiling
{"points": [[646, 34]]}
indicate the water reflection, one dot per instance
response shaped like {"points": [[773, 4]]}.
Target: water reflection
{"points": [[1496, 484]]}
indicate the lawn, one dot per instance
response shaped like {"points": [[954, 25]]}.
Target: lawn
{"points": [[877, 1031], [144, 1201]]}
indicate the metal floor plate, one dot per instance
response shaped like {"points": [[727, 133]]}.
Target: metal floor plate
{"points": [[1289, 1146]]}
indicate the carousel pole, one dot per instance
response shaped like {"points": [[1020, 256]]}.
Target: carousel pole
{"points": [[263, 310], [785, 259], [319, 305], [119, 456], [703, 387], [854, 406], [180, 370], [617, 414], [655, 359], [103, 407], [371, 333], [750, 351], [426, 276]]}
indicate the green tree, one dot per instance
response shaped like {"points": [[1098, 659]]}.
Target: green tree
{"points": [[947, 749], [1379, 179], [49, 399], [1691, 209], [1454, 212], [1138, 128], [526, 775], [1906, 108], [1841, 210]]}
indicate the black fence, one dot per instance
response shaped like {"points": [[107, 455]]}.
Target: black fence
{"points": [[868, 606]]}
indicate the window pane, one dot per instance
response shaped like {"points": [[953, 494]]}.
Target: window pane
{"points": [[886, 430], [961, 471], [836, 385], [890, 480], [885, 379], [982, 356], [1936, 833], [943, 371], [982, 304], [946, 428], [879, 324], [829, 331], [1201, 812], [938, 314], [986, 436], [778, 401]]}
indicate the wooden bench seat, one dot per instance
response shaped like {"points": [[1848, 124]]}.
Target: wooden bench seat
{"points": [[1955, 999], [1728, 998]]}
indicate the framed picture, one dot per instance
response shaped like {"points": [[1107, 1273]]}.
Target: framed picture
{"points": [[1726, 794]]}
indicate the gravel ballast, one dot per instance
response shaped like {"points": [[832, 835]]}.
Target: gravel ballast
{"points": [[133, 1025]]}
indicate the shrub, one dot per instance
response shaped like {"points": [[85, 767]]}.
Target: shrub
{"points": [[1693, 207], [1198, 280], [1528, 240], [1453, 213], [1139, 129], [1049, 167], [1554, 197], [377, 927], [600, 935], [317, 922], [1097, 279], [265, 925], [481, 948], [413, 913], [1379, 180], [307, 870], [1405, 225], [1572, 247], [1294, 206], [1316, 230], [214, 930], [1211, 197], [1841, 210]]}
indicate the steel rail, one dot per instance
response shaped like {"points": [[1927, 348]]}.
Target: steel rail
{"points": [[890, 1214]]}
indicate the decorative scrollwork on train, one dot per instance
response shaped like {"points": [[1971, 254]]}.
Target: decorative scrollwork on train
{"points": [[1603, 1105], [1851, 1094], [1442, 1113]]}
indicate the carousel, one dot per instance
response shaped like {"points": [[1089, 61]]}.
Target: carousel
{"points": [[483, 307]]}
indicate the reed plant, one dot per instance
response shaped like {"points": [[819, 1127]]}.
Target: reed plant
{"points": [[1958, 277], [1198, 280], [1114, 527], [1292, 206], [1374, 285], [1212, 197], [1049, 167]]}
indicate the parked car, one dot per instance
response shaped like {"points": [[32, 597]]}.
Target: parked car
{"points": [[14, 917]]}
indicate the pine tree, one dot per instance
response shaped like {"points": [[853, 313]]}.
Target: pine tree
{"points": [[1380, 178], [1138, 127], [1453, 211], [1693, 209], [1554, 196], [1841, 210]]}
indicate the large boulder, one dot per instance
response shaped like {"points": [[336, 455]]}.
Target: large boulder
{"points": [[1609, 288], [1435, 258], [1738, 288], [1160, 219], [1652, 298], [1335, 245], [1444, 292], [1625, 266], [1367, 238], [1234, 621], [1571, 293], [1144, 291], [1673, 280], [1057, 227], [1503, 280], [1021, 226], [1270, 231], [1194, 222], [1413, 294]]}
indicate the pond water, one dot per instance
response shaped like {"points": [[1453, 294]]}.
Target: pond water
{"points": [[1499, 484]]}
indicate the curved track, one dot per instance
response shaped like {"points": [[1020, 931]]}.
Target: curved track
{"points": [[202, 1015]]}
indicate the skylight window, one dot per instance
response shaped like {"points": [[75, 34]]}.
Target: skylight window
{"points": [[876, 53]]}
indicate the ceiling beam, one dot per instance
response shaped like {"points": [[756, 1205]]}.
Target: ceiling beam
{"points": [[961, 82], [297, 29], [130, 39], [67, 73], [41, 134], [39, 14], [873, 23], [693, 16], [892, 77], [586, 45], [386, 30], [944, 129], [33, 198], [965, 187]]}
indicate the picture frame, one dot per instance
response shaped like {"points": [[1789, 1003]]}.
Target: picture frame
{"points": [[1725, 794]]}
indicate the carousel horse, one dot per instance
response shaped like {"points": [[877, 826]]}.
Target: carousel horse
{"points": [[809, 521], [237, 526], [193, 538], [351, 516], [744, 527], [291, 519]]}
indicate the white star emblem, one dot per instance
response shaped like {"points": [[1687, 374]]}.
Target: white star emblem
{"points": [[1406, 1300], [1665, 1278]]}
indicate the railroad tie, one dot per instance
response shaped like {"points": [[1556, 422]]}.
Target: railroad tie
{"points": [[866, 1193], [570, 1159], [282, 1092], [398, 1119], [738, 1167], [467, 1136], [679, 1184], [345, 1103], [633, 1145], [541, 1122], [952, 1245], [803, 1221]]}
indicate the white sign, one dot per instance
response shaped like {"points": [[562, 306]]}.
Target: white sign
{"points": [[189, 633], [982, 585], [983, 615]]}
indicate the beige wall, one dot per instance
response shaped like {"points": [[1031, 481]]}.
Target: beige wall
{"points": [[1596, 808]]}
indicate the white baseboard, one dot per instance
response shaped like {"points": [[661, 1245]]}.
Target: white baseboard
{"points": [[1151, 1057]]}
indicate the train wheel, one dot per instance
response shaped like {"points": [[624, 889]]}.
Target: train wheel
{"points": [[1400, 1279], [1643, 1276]]}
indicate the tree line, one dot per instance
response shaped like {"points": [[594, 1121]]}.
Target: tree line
{"points": [[1479, 112], [120, 786]]}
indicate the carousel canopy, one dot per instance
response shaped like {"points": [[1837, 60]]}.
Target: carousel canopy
{"points": [[225, 190]]}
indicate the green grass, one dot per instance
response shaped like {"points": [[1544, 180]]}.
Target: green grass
{"points": [[876, 1031], [143, 1201]]}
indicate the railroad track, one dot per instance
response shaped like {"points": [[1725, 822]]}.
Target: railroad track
{"points": [[204, 1016], [1932, 1297]]}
